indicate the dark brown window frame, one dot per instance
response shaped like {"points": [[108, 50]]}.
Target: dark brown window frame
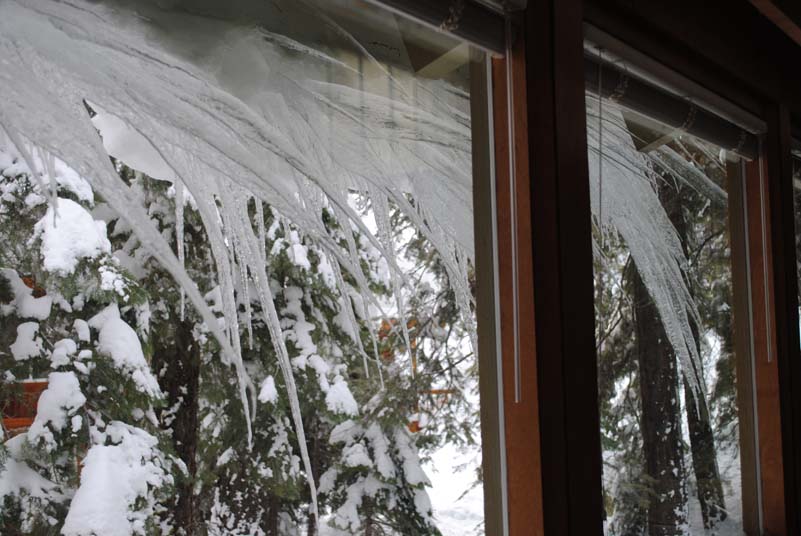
{"points": [[568, 441]]}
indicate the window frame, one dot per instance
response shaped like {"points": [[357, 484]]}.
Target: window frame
{"points": [[567, 402]]}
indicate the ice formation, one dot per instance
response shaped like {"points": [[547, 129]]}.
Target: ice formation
{"points": [[234, 111], [624, 198]]}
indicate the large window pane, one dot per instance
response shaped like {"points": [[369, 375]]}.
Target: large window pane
{"points": [[264, 307], [670, 373]]}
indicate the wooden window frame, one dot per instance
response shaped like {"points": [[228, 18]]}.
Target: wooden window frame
{"points": [[551, 425], [552, 432]]}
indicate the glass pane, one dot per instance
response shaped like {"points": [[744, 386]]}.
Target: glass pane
{"points": [[265, 307], [668, 366]]}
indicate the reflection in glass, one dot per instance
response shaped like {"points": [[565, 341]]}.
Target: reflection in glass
{"points": [[664, 326], [304, 171]]}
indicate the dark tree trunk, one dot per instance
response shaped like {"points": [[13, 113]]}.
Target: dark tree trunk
{"points": [[369, 525], [702, 442], [705, 465], [176, 357], [314, 457], [273, 509], [311, 525], [661, 423]]}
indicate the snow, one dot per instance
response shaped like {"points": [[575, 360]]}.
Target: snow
{"points": [[226, 456], [345, 432], [81, 328], [12, 164], [16, 477], [62, 351], [383, 461], [458, 505], [112, 280], [113, 478], [56, 407], [356, 455], [28, 344], [69, 234], [235, 111], [120, 342], [422, 504], [25, 305], [98, 321], [339, 399], [268, 392], [410, 462]]}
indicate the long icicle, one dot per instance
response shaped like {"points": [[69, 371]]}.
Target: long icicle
{"points": [[179, 234], [237, 214]]}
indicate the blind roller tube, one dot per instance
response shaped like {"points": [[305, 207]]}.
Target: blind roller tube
{"points": [[671, 110], [465, 19]]}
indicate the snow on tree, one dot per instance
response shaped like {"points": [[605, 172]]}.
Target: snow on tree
{"points": [[294, 290], [92, 461]]}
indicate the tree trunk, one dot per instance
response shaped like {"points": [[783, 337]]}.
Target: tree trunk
{"points": [[176, 358], [273, 509], [314, 457], [705, 465], [661, 423], [702, 442]]}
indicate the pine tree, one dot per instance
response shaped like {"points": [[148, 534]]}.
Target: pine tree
{"points": [[230, 488], [69, 307]]}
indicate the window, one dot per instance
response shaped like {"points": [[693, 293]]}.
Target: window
{"points": [[287, 248], [671, 307]]}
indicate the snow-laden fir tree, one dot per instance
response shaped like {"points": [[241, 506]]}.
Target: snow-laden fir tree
{"points": [[356, 407], [94, 461]]}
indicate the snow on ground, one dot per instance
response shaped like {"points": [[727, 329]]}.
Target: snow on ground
{"points": [[452, 472]]}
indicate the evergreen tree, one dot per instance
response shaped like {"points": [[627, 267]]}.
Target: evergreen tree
{"points": [[94, 459]]}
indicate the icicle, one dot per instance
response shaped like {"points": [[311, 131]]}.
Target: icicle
{"points": [[179, 234], [243, 281], [456, 269], [348, 306], [262, 232], [371, 329], [163, 112], [381, 212], [237, 217], [49, 168], [353, 264], [632, 207], [22, 149], [121, 199]]}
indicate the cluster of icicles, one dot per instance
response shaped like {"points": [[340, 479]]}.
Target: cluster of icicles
{"points": [[625, 201], [234, 114], [242, 109]]}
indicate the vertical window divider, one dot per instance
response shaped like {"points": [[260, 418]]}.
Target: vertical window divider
{"points": [[784, 292]]}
